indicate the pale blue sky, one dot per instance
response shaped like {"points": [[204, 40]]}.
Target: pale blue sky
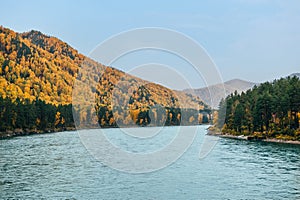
{"points": [[255, 40]]}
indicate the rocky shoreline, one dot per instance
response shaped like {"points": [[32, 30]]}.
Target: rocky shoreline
{"points": [[252, 138]]}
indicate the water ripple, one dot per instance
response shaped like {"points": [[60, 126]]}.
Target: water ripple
{"points": [[57, 166]]}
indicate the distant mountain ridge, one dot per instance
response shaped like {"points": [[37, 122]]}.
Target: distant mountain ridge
{"points": [[213, 94], [295, 74]]}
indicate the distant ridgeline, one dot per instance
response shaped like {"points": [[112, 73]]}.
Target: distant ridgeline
{"points": [[37, 75], [271, 110]]}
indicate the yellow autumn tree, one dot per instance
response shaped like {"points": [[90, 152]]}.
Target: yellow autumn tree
{"points": [[57, 119]]}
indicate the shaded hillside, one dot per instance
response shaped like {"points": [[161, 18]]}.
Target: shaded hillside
{"points": [[212, 95], [36, 67]]}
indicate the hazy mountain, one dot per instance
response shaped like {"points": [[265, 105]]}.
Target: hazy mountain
{"points": [[213, 94], [295, 74]]}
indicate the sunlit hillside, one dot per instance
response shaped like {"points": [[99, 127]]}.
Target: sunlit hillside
{"points": [[36, 67]]}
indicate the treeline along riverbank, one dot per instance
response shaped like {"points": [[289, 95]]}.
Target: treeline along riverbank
{"points": [[268, 111], [25, 117]]}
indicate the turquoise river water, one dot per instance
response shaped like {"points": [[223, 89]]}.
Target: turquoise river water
{"points": [[58, 166]]}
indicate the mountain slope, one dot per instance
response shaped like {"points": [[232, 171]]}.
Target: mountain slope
{"points": [[39, 67], [29, 69], [212, 95]]}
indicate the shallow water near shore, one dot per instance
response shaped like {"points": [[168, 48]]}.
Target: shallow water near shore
{"points": [[58, 166]]}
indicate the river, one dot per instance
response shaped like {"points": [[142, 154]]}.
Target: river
{"points": [[58, 166]]}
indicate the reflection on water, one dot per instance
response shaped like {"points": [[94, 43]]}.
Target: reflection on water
{"points": [[57, 166]]}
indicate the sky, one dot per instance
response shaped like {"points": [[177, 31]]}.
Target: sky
{"points": [[254, 40]]}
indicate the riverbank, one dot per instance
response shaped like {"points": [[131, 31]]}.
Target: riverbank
{"points": [[252, 138], [24, 132]]}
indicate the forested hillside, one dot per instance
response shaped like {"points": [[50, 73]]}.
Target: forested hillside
{"points": [[270, 110], [38, 72]]}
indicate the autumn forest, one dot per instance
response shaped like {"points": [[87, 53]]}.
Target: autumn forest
{"points": [[37, 77]]}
